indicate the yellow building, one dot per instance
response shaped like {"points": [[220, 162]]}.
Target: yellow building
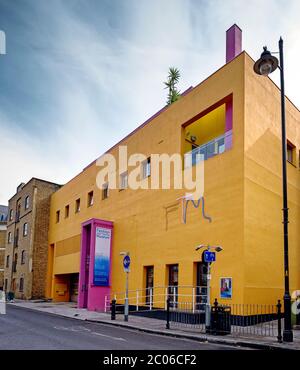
{"points": [[233, 118]]}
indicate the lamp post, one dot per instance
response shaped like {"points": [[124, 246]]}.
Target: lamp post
{"points": [[207, 306], [266, 65]]}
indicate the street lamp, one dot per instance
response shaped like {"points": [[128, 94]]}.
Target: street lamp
{"points": [[208, 248], [126, 269], [266, 65]]}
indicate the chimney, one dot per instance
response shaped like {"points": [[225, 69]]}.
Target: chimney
{"points": [[233, 42], [20, 187]]}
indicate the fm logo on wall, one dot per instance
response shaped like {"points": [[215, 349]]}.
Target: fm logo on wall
{"points": [[196, 203], [102, 256]]}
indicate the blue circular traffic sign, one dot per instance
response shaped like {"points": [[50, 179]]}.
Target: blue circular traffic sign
{"points": [[126, 262]]}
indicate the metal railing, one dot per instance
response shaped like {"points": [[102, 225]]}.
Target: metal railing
{"points": [[245, 320], [254, 319], [155, 298], [184, 307], [184, 315], [208, 150]]}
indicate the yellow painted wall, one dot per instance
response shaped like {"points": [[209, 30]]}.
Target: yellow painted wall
{"points": [[242, 194], [140, 217], [264, 274], [207, 128]]}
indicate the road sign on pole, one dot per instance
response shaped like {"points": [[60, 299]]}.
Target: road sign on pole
{"points": [[209, 257], [126, 263]]}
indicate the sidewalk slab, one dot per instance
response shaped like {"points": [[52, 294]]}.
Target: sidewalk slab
{"points": [[155, 326]]}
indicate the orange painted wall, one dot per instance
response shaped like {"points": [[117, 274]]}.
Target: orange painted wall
{"points": [[242, 194]]}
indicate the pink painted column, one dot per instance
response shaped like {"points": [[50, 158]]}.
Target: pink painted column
{"points": [[91, 292], [233, 42], [233, 49]]}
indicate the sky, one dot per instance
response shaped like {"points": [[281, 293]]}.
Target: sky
{"points": [[79, 75]]}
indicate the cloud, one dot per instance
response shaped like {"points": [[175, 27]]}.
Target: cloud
{"points": [[80, 75]]}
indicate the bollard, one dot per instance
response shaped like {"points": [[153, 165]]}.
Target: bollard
{"points": [[279, 337], [168, 314], [113, 309], [214, 325]]}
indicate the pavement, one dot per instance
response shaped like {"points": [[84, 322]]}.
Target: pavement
{"points": [[26, 329], [158, 327]]}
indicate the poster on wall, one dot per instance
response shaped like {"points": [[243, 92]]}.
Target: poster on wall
{"points": [[102, 256], [226, 288]]}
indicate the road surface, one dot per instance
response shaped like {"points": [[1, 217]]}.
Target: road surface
{"points": [[26, 329]]}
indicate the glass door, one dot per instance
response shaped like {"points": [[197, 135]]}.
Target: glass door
{"points": [[149, 284], [173, 285], [201, 286]]}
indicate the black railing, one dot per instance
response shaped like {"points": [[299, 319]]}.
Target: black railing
{"points": [[185, 315], [248, 320]]}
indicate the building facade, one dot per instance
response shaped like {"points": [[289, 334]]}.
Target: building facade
{"points": [[3, 221], [27, 239], [233, 120]]}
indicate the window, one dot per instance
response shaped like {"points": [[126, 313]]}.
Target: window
{"points": [[67, 211], [77, 206], [27, 202], [23, 258], [90, 201], [7, 261], [57, 216], [9, 238], [5, 285], [124, 181], [146, 168], [11, 214], [21, 287], [290, 152], [25, 229], [105, 191]]}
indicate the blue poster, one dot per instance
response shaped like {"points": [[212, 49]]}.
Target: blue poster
{"points": [[102, 256], [226, 288]]}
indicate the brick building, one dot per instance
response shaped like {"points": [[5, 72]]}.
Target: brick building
{"points": [[27, 239], [3, 221]]}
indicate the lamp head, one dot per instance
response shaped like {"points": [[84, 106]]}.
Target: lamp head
{"points": [[218, 249], [124, 253], [267, 63]]}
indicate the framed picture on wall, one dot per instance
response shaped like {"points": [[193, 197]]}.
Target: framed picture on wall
{"points": [[226, 288]]}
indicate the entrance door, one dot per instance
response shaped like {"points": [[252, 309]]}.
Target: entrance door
{"points": [[201, 286], [74, 287], [149, 283], [173, 285], [85, 266]]}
